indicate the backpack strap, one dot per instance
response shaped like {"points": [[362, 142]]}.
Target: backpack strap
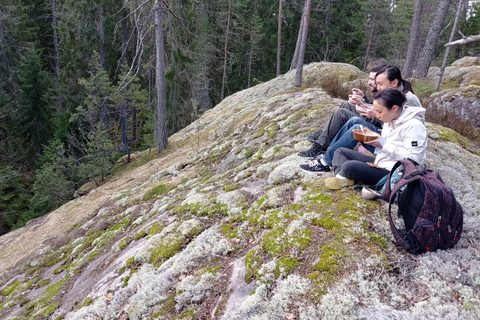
{"points": [[399, 238], [396, 234]]}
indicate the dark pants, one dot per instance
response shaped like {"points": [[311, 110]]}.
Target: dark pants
{"points": [[341, 115], [353, 165]]}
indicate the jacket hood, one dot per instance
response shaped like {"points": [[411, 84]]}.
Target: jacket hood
{"points": [[410, 113]]}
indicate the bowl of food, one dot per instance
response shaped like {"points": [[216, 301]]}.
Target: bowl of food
{"points": [[364, 136]]}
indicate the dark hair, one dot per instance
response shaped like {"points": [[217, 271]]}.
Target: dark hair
{"points": [[392, 73], [378, 67], [390, 97]]}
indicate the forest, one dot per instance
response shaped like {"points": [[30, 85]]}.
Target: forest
{"points": [[78, 78]]}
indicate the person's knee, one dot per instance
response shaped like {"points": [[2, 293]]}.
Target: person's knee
{"points": [[350, 169]]}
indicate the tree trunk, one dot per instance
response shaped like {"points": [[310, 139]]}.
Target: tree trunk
{"points": [[303, 44], [279, 38], [123, 106], [413, 40], [161, 107], [428, 52], [447, 51], [299, 41], [250, 61], [56, 49], [371, 36], [224, 78]]}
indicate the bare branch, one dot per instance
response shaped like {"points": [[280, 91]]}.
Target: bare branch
{"points": [[464, 41]]}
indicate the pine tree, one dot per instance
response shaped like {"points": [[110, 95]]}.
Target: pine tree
{"points": [[99, 155], [53, 184], [35, 107]]}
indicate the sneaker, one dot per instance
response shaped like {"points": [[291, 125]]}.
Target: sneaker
{"points": [[314, 136], [336, 183], [370, 194], [313, 152], [314, 167]]}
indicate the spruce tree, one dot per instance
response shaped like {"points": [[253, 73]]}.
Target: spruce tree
{"points": [[35, 108]]}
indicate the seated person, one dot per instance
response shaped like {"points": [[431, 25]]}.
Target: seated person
{"points": [[386, 77], [404, 135], [389, 77], [323, 138]]}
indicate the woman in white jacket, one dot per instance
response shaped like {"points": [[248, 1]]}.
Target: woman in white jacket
{"points": [[403, 136]]}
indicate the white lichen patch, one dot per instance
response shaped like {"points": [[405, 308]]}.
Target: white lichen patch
{"points": [[193, 290]]}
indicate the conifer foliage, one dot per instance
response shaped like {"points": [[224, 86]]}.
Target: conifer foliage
{"points": [[80, 80]]}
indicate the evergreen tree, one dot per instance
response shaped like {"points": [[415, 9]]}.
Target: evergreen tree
{"points": [[99, 155], [34, 106], [53, 184]]}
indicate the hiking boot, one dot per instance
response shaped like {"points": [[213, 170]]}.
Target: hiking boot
{"points": [[338, 182], [314, 167], [314, 136], [313, 152]]}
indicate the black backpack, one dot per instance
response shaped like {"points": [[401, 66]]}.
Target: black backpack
{"points": [[433, 218]]}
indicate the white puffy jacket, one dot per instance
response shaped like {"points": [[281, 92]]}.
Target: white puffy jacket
{"points": [[403, 138]]}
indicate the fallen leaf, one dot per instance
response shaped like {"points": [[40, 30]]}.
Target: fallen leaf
{"points": [[289, 316], [109, 298], [418, 299]]}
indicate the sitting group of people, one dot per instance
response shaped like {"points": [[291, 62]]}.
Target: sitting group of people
{"points": [[395, 114]]}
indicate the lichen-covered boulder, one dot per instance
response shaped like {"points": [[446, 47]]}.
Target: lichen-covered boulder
{"points": [[462, 103]]}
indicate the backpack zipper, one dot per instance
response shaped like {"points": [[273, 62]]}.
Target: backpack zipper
{"points": [[440, 205]]}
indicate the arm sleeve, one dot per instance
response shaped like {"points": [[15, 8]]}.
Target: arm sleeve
{"points": [[414, 144]]}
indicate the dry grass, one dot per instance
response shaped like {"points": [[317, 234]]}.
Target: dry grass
{"points": [[449, 119], [334, 87]]}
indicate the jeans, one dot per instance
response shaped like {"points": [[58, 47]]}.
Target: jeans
{"points": [[341, 116], [344, 138]]}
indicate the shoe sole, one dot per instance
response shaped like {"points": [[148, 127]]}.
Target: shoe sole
{"points": [[314, 172]]}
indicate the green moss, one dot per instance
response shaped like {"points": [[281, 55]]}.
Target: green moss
{"points": [[273, 242], [86, 302], [252, 264], [163, 251], [123, 243], [328, 260], [155, 228], [286, 265], [198, 209], [381, 240], [261, 200], [166, 308], [250, 151], [24, 301], [60, 317], [187, 314], [11, 288], [273, 130], [320, 197], [43, 282], [125, 281], [139, 234], [50, 309], [260, 132], [159, 190], [122, 225], [212, 270], [231, 187], [129, 262], [327, 223]]}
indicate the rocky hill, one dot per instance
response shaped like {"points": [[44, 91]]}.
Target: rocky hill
{"points": [[224, 225]]}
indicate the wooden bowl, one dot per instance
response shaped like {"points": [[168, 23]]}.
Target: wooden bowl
{"points": [[364, 136]]}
